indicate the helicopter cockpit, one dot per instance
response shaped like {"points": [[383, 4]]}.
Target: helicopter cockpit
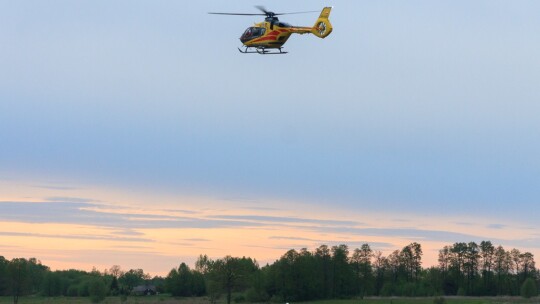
{"points": [[252, 33]]}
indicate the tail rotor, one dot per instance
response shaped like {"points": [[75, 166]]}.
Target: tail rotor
{"points": [[323, 27]]}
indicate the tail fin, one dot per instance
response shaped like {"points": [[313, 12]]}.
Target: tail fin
{"points": [[323, 27]]}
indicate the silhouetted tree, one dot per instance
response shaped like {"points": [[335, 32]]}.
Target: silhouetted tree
{"points": [[3, 276], [529, 289], [97, 290], [363, 270], [324, 262], [301, 276], [231, 274], [487, 255], [131, 278], [342, 273], [185, 282], [18, 278]]}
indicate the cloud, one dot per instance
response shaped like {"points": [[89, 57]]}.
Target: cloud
{"points": [[198, 240], [408, 233], [53, 187], [352, 245], [533, 242], [9, 247], [465, 223], [291, 238], [94, 214], [401, 220], [76, 236], [69, 199], [261, 208], [496, 226], [181, 211], [127, 232], [49, 212], [421, 235], [128, 247], [281, 219]]}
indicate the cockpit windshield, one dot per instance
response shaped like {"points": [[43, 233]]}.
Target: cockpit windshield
{"points": [[251, 33]]}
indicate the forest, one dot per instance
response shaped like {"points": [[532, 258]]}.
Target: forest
{"points": [[328, 272]]}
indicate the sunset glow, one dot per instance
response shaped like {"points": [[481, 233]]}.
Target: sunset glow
{"points": [[94, 232]]}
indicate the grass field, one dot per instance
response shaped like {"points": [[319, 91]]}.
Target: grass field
{"points": [[109, 300], [169, 300], [428, 300]]}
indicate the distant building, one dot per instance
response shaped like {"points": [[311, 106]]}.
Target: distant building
{"points": [[144, 290]]}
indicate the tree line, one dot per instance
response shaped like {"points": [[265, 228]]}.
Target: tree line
{"points": [[468, 269]]}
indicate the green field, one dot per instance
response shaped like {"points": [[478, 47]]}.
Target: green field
{"points": [[109, 300], [427, 300], [168, 300]]}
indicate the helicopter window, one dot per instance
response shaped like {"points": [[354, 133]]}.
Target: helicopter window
{"points": [[253, 32], [258, 31]]}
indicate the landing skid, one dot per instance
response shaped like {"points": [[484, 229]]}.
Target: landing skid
{"points": [[261, 51]]}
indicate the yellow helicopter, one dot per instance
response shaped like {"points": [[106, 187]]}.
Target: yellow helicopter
{"points": [[268, 37]]}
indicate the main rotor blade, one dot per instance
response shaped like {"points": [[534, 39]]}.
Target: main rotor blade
{"points": [[237, 14], [262, 9], [266, 12], [294, 13]]}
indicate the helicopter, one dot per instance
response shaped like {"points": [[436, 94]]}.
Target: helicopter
{"points": [[268, 37]]}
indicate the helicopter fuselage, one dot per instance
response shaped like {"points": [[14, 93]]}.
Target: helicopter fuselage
{"points": [[270, 34]]}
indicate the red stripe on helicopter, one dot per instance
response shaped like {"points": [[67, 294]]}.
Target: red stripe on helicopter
{"points": [[265, 39], [273, 35]]}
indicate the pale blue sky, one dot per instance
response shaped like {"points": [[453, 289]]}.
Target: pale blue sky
{"points": [[429, 107]]}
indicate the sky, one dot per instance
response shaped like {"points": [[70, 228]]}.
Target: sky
{"points": [[134, 132]]}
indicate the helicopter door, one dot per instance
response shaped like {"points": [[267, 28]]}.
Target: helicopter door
{"points": [[252, 33]]}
